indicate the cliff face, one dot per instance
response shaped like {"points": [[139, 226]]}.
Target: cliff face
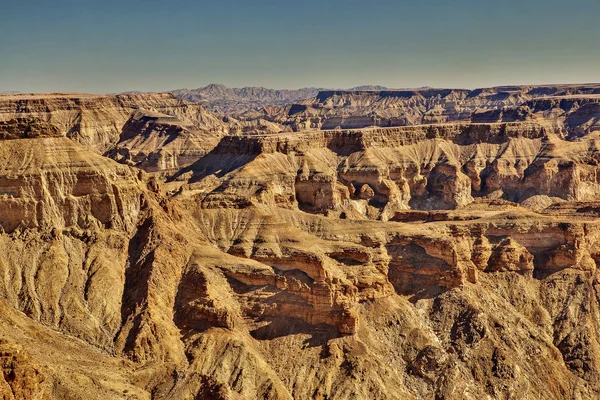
{"points": [[156, 132], [376, 173], [91, 251], [465, 273], [454, 261], [96, 120], [163, 144], [160, 143], [335, 109]]}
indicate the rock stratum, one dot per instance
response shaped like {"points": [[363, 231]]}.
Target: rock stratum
{"points": [[166, 253], [339, 109], [97, 121]]}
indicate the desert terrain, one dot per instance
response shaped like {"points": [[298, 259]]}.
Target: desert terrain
{"points": [[358, 244]]}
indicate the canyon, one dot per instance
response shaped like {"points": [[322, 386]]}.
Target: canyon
{"points": [[360, 244], [335, 109]]}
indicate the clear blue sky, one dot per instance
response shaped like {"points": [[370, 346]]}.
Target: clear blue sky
{"points": [[151, 45]]}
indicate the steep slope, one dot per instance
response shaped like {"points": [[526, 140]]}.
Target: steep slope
{"points": [[152, 131], [451, 261], [90, 251], [450, 299], [39, 363], [96, 120], [161, 143], [358, 109], [377, 173]]}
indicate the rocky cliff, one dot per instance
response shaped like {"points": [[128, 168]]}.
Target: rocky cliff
{"points": [[450, 261], [376, 173], [152, 131], [337, 109], [96, 120]]}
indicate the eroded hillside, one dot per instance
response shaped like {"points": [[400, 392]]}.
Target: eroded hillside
{"points": [[338, 109], [97, 120], [450, 261]]}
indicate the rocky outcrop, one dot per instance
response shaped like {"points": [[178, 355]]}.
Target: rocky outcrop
{"points": [[377, 173], [27, 128], [446, 260], [96, 120], [445, 268], [21, 378], [339, 109], [158, 142], [155, 132]]}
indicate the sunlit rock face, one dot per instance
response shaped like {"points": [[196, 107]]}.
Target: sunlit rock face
{"points": [[453, 260], [570, 105]]}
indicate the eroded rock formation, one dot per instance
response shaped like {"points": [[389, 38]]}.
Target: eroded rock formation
{"points": [[451, 261], [347, 109], [97, 121]]}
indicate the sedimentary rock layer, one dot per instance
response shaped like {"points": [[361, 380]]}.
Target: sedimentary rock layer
{"points": [[385, 108], [454, 261]]}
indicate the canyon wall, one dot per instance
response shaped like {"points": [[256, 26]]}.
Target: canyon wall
{"points": [[338, 109], [450, 261]]}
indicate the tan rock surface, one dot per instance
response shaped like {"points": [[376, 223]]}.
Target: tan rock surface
{"points": [[98, 120], [387, 263], [574, 107]]}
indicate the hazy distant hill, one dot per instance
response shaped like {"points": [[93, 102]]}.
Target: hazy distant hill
{"points": [[225, 100], [368, 87], [231, 101]]}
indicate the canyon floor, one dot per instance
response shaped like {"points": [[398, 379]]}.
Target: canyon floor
{"points": [[424, 244]]}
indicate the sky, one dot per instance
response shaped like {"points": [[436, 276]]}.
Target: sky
{"points": [[149, 45]]}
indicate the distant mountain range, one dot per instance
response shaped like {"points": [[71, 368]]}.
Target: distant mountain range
{"points": [[231, 101]]}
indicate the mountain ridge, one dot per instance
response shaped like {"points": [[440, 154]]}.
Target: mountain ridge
{"points": [[232, 101]]}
